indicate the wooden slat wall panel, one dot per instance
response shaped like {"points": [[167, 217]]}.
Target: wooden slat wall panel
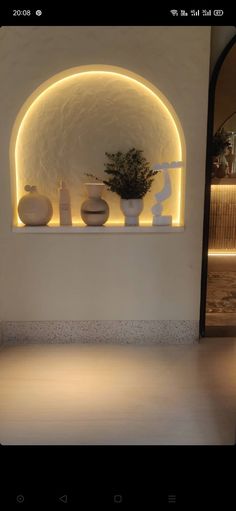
{"points": [[222, 232]]}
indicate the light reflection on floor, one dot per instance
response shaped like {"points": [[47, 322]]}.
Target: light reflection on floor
{"points": [[100, 394]]}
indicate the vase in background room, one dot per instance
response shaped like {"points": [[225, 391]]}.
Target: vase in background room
{"points": [[94, 210]]}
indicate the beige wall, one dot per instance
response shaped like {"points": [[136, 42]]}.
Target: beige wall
{"points": [[154, 276]]}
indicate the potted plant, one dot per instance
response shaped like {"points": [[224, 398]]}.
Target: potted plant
{"points": [[131, 177], [220, 143]]}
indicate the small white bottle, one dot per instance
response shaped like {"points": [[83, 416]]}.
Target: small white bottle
{"points": [[64, 205]]}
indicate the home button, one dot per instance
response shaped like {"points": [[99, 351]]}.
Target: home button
{"points": [[20, 499], [118, 499]]}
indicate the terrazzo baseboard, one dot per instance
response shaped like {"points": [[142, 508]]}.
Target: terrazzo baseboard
{"points": [[100, 331]]}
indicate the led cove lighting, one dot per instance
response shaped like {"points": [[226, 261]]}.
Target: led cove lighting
{"points": [[55, 82], [227, 254]]}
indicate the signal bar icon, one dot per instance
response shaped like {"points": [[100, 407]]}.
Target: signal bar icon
{"points": [[195, 13]]}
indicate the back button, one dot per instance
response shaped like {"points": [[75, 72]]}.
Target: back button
{"points": [[64, 499]]}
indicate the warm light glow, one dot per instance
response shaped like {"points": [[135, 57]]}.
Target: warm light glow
{"points": [[210, 253], [53, 85], [114, 223], [216, 187]]}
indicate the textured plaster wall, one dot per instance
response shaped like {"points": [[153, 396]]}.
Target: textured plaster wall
{"points": [[69, 127], [50, 277]]}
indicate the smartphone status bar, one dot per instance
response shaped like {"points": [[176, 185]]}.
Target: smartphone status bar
{"points": [[74, 16]]}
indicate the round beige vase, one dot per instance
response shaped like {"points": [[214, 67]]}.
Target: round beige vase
{"points": [[131, 208], [94, 210], [34, 208]]}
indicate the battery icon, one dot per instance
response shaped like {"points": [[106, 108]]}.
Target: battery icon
{"points": [[218, 12]]}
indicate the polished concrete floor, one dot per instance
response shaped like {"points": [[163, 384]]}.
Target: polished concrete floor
{"points": [[100, 394]]}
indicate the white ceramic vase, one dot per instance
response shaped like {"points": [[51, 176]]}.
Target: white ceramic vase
{"points": [[94, 210], [34, 208], [131, 208]]}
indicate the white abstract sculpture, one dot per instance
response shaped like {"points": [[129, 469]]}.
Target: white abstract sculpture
{"points": [[158, 218]]}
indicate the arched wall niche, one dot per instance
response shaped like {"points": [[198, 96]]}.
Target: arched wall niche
{"points": [[67, 124]]}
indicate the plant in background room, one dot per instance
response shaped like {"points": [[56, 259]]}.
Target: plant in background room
{"points": [[131, 177], [220, 143]]}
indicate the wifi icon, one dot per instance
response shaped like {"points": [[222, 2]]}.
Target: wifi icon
{"points": [[174, 12]]}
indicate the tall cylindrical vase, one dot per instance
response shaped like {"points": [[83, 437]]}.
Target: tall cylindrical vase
{"points": [[94, 210]]}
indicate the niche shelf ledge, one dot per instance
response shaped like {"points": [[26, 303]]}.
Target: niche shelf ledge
{"points": [[110, 229]]}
